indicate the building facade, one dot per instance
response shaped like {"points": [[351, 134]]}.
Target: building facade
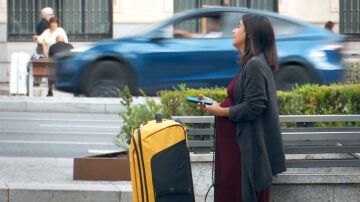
{"points": [[86, 21]]}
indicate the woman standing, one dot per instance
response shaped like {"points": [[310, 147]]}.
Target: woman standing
{"points": [[249, 149], [48, 37]]}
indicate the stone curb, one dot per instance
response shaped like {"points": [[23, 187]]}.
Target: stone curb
{"points": [[299, 184], [10, 192], [4, 192], [61, 105]]}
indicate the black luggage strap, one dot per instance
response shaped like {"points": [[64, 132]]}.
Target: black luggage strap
{"points": [[138, 162], [143, 165]]}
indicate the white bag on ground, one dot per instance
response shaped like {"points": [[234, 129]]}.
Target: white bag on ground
{"points": [[19, 73]]}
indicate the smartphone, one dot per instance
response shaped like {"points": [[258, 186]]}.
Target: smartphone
{"points": [[197, 100]]}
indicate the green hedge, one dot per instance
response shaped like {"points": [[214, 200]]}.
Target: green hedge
{"points": [[303, 100], [352, 72], [174, 101]]}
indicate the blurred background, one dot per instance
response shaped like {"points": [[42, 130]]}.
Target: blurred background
{"points": [[92, 20]]}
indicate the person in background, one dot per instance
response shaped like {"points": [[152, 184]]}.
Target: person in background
{"points": [[213, 29], [329, 25], [249, 149], [46, 14], [213, 26], [59, 47], [48, 37]]}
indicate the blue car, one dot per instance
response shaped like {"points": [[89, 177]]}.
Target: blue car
{"points": [[195, 48]]}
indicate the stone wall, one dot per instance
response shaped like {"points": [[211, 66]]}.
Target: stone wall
{"points": [[317, 12], [295, 185]]}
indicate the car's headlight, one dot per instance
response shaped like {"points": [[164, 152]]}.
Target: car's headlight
{"points": [[321, 53], [334, 47], [318, 54], [328, 56]]}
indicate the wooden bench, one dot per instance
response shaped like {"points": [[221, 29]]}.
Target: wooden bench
{"points": [[311, 146], [42, 67]]}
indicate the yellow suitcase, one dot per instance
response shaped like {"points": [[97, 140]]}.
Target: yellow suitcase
{"points": [[160, 163]]}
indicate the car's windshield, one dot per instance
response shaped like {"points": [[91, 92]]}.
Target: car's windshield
{"points": [[144, 28], [140, 29]]}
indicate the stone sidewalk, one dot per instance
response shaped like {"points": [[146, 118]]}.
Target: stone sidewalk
{"points": [[65, 103], [60, 104], [50, 179]]}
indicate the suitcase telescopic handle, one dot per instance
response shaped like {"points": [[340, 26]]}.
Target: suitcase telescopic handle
{"points": [[158, 118]]}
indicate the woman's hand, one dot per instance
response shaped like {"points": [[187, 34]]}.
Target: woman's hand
{"points": [[202, 97], [215, 109], [35, 38]]}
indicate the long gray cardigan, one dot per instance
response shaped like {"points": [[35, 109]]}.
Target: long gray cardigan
{"points": [[258, 130]]}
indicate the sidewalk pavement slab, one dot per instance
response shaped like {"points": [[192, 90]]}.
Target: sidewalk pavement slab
{"points": [[55, 192], [125, 192], [61, 104], [66, 104], [63, 192], [7, 105], [51, 179], [4, 194]]}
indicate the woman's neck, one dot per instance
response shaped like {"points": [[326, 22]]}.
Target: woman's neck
{"points": [[242, 49]]}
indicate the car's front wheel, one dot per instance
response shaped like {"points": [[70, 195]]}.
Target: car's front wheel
{"points": [[105, 79], [291, 75]]}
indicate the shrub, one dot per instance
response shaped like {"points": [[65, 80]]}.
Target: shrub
{"points": [[352, 72], [302, 100], [174, 101], [333, 99], [290, 103], [135, 115]]}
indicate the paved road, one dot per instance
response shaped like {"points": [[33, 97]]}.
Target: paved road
{"points": [[25, 134]]}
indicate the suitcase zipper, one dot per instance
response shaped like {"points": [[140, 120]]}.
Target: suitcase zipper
{"points": [[143, 165], [174, 125]]}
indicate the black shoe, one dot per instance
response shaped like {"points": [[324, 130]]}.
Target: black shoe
{"points": [[50, 94]]}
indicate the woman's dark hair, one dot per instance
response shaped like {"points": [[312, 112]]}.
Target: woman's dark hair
{"points": [[54, 19], [260, 38]]}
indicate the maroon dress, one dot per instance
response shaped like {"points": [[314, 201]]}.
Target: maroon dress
{"points": [[228, 157]]}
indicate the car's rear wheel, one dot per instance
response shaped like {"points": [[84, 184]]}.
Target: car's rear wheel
{"points": [[291, 75], [105, 79]]}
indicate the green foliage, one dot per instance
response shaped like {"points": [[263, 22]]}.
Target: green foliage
{"points": [[174, 101], [352, 72], [334, 99], [135, 115], [302, 100], [290, 103]]}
